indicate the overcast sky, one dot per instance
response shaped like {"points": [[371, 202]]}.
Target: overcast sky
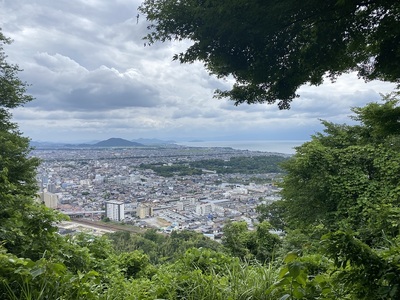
{"points": [[93, 79]]}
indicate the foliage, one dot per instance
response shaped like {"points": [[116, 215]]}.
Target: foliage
{"points": [[348, 177], [259, 244], [305, 277], [22, 278], [160, 247], [364, 272], [205, 274], [13, 90], [242, 165], [134, 264], [169, 171], [302, 241], [26, 227], [272, 48], [235, 238], [273, 213], [17, 170]]}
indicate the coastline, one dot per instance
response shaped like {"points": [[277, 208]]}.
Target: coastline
{"points": [[279, 146]]}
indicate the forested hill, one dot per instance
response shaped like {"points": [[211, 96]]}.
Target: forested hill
{"points": [[116, 142], [240, 165]]}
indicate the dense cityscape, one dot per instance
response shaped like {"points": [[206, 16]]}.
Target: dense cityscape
{"points": [[116, 184]]}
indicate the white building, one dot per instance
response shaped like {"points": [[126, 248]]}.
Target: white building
{"points": [[115, 210], [49, 199], [205, 209], [187, 204]]}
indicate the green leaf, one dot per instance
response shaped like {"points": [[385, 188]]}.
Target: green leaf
{"points": [[299, 293], [302, 278], [284, 297], [283, 271], [319, 278], [37, 272], [295, 268], [291, 256], [282, 282]]}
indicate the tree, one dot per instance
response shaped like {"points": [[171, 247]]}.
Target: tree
{"points": [[348, 177], [271, 48], [26, 228], [14, 164], [259, 244], [266, 242], [134, 264], [273, 213], [363, 272], [235, 239]]}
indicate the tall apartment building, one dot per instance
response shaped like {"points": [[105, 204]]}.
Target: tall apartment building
{"points": [[115, 210], [144, 211], [205, 209], [185, 203], [49, 199], [51, 188]]}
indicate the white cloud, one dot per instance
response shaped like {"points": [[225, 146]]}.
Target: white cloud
{"points": [[93, 78]]}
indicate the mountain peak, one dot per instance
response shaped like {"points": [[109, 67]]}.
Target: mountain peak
{"points": [[116, 142]]}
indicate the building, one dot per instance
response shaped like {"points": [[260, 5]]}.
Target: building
{"points": [[144, 211], [51, 188], [49, 199], [115, 210], [205, 209], [187, 204]]}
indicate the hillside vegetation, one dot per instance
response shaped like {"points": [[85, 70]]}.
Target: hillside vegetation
{"points": [[243, 165]]}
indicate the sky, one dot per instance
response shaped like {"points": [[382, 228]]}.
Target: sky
{"points": [[93, 78]]}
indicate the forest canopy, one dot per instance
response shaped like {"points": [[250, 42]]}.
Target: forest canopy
{"points": [[271, 48], [242, 165], [347, 177]]}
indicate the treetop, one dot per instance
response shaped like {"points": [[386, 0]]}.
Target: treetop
{"points": [[272, 48]]}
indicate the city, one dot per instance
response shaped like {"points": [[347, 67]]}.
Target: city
{"points": [[114, 184]]}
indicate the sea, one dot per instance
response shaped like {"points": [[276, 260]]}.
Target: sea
{"points": [[279, 146]]}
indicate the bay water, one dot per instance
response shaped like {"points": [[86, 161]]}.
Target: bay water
{"points": [[279, 146]]}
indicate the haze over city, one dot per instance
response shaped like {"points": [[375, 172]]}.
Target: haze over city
{"points": [[93, 78]]}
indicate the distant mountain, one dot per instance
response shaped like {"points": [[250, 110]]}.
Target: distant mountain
{"points": [[196, 141], [116, 142], [152, 141], [112, 142], [45, 144]]}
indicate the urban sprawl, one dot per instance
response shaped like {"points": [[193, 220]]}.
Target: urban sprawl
{"points": [[113, 184]]}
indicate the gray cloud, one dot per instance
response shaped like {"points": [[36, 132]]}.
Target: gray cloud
{"points": [[64, 84], [93, 78]]}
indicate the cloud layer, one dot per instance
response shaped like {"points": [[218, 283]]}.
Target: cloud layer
{"points": [[93, 78]]}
